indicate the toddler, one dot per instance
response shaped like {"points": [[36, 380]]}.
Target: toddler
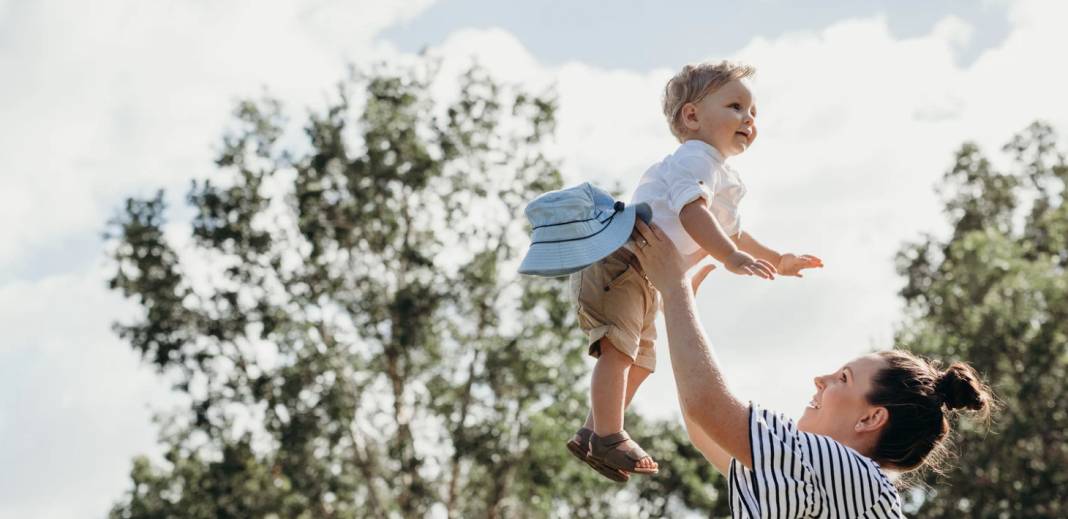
{"points": [[694, 196]]}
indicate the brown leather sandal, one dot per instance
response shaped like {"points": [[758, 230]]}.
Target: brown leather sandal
{"points": [[618, 451], [579, 446]]}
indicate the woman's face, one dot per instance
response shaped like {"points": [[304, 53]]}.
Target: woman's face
{"points": [[840, 407]]}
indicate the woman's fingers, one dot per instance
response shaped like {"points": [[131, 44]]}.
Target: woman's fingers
{"points": [[659, 257], [657, 232], [642, 231], [649, 231]]}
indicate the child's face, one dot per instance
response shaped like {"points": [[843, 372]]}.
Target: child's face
{"points": [[726, 118]]}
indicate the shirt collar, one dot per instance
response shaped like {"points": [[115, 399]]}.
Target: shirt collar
{"points": [[707, 148]]}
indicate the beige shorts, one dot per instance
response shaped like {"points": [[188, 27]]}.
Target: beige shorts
{"points": [[616, 301]]}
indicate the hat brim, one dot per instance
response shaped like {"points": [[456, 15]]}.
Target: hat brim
{"points": [[563, 258]]}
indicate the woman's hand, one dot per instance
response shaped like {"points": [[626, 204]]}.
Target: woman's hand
{"points": [[659, 258]]}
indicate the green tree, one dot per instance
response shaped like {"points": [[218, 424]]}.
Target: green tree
{"points": [[995, 294], [348, 331]]}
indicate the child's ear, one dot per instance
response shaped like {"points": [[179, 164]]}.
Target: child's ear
{"points": [[688, 114]]}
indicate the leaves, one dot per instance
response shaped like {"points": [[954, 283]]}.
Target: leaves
{"points": [[348, 329], [995, 295]]}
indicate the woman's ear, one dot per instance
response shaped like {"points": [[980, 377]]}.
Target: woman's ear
{"points": [[874, 420]]}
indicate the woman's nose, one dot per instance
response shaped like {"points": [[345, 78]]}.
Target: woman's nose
{"points": [[818, 381]]}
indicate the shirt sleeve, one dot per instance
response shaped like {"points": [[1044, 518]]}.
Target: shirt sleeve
{"points": [[798, 474], [690, 178], [778, 485]]}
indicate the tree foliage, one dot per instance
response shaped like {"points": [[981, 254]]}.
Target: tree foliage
{"points": [[347, 330], [995, 294]]}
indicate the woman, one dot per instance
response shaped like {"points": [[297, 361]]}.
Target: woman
{"points": [[880, 412]]}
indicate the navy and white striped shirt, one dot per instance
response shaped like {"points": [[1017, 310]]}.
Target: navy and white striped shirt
{"points": [[798, 474]]}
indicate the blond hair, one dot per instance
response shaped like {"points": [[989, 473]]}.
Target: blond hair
{"points": [[693, 83]]}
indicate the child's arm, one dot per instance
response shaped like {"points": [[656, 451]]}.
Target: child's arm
{"points": [[702, 226], [747, 243], [785, 264]]}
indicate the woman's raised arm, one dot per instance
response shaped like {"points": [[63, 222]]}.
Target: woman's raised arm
{"points": [[703, 393]]}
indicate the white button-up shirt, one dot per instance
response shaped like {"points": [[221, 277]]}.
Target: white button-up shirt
{"points": [[695, 170]]}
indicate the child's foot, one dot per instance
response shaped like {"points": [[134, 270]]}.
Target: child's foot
{"points": [[618, 451], [579, 445]]}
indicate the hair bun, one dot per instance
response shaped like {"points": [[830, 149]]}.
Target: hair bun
{"points": [[960, 388]]}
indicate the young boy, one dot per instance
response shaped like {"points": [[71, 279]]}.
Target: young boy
{"points": [[694, 196]]}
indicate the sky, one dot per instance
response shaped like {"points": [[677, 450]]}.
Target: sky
{"points": [[862, 105]]}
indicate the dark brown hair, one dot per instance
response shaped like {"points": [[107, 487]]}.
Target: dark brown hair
{"points": [[920, 397]]}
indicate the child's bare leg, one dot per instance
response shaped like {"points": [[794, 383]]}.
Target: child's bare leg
{"points": [[608, 389], [635, 377], [611, 391]]}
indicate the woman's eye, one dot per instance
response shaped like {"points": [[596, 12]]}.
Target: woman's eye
{"points": [[736, 106]]}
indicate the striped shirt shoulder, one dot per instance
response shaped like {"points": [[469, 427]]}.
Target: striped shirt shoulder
{"points": [[798, 474]]}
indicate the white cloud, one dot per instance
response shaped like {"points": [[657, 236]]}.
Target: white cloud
{"points": [[857, 126], [76, 401], [954, 31], [114, 97], [103, 100]]}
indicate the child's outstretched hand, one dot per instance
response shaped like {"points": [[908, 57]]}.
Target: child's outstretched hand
{"points": [[743, 264], [792, 264]]}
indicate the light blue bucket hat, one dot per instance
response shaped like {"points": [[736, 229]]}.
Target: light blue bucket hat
{"points": [[576, 227]]}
